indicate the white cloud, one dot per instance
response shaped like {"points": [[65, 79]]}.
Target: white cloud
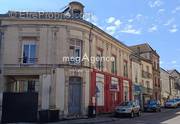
{"points": [[161, 10], [91, 18], [111, 29], [174, 62], [173, 29], [161, 62], [130, 20], [129, 29], [117, 22], [170, 21], [138, 16], [176, 9], [153, 28], [110, 20], [156, 3]]}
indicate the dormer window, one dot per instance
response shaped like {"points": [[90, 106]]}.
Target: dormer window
{"points": [[76, 13]]}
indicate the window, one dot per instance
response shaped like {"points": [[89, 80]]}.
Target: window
{"points": [[148, 84], [158, 65], [100, 93], [99, 63], [24, 86], [31, 86], [75, 51], [155, 81], [159, 82], [114, 86], [147, 68], [125, 68], [142, 82], [126, 90], [113, 66], [76, 13], [29, 53], [136, 76]]}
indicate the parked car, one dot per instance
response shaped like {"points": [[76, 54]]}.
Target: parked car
{"points": [[130, 108], [172, 103], [152, 105], [178, 101]]}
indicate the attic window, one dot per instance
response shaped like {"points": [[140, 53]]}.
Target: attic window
{"points": [[76, 13]]}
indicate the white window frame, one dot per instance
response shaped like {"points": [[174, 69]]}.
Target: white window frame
{"points": [[74, 50], [27, 42]]}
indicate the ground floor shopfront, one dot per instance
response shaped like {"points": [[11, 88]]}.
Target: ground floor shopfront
{"points": [[71, 90], [137, 94], [63, 88], [107, 91]]}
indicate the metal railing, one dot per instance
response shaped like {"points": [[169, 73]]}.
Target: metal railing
{"points": [[146, 74], [26, 60]]}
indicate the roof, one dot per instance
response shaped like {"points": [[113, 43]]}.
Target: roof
{"points": [[173, 70], [76, 2], [143, 48], [164, 70]]}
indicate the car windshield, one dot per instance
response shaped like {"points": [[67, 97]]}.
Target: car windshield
{"points": [[171, 100], [126, 104], [151, 102]]}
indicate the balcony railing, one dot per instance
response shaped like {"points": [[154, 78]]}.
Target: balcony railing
{"points": [[26, 60], [146, 74], [147, 90]]}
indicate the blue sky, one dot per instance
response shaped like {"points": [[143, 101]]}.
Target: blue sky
{"points": [[156, 22]]}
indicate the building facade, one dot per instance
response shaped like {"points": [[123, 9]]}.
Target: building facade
{"points": [[175, 83], [147, 80], [165, 85], [110, 81], [43, 53], [137, 78], [150, 54]]}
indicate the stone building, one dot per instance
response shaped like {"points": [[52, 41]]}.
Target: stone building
{"points": [[43, 51], [175, 83], [137, 77], [147, 52], [165, 85]]}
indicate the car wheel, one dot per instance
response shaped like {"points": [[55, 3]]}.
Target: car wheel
{"points": [[132, 114], [139, 113]]}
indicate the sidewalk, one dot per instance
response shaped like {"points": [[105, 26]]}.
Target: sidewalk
{"points": [[99, 119]]}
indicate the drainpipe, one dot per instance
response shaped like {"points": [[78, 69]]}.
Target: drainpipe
{"points": [[90, 44], [90, 83]]}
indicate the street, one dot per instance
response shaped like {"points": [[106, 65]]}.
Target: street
{"points": [[167, 116]]}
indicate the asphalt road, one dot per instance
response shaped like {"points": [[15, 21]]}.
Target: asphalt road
{"points": [[166, 116]]}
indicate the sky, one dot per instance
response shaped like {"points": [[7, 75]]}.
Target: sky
{"points": [[156, 22]]}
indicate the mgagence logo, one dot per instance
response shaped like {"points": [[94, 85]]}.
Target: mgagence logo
{"points": [[92, 59]]}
